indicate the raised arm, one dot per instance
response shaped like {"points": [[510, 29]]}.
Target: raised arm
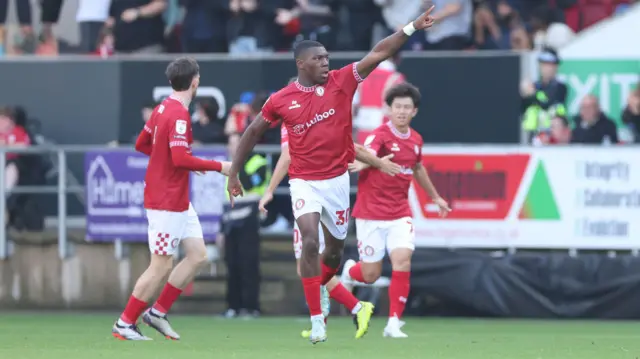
{"points": [[388, 46]]}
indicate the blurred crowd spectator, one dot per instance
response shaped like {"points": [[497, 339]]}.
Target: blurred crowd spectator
{"points": [[545, 119], [18, 131], [249, 26], [631, 114]]}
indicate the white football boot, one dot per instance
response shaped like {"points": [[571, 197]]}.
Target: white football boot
{"points": [[160, 322], [318, 330], [392, 330], [127, 332]]}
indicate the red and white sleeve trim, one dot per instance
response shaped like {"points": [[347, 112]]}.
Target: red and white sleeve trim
{"points": [[179, 144], [359, 78]]}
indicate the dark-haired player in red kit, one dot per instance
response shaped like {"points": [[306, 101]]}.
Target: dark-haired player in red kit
{"points": [[382, 212], [166, 139], [316, 110]]}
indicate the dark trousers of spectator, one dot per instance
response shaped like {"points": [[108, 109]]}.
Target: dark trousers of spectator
{"points": [[89, 34], [242, 256], [24, 11], [50, 10], [202, 46], [451, 43]]}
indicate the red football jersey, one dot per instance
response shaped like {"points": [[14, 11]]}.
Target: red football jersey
{"points": [[319, 124], [384, 197], [167, 186]]}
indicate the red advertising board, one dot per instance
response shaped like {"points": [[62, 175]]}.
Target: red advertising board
{"points": [[477, 186]]}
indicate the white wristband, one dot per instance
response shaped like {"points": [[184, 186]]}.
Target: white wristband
{"points": [[409, 29]]}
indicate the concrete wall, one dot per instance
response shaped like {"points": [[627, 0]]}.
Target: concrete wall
{"points": [[34, 277]]}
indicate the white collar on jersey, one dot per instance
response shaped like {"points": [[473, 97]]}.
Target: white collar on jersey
{"points": [[397, 133], [305, 88]]}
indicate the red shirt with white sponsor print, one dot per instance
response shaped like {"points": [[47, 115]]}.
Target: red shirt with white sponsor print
{"points": [[318, 122], [384, 197], [166, 139]]}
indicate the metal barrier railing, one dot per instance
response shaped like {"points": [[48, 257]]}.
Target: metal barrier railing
{"points": [[62, 188]]}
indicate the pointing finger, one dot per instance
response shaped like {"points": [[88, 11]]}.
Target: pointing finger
{"points": [[430, 10]]}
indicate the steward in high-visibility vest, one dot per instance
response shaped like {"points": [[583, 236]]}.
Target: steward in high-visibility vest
{"points": [[254, 178], [548, 98]]}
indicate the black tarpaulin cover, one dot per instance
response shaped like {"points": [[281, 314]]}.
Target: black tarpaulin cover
{"points": [[526, 284]]}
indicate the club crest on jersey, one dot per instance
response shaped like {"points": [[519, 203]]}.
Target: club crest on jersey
{"points": [[416, 149], [181, 127], [299, 129], [395, 147], [320, 91]]}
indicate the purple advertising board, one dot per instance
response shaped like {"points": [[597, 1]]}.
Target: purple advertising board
{"points": [[115, 195]]}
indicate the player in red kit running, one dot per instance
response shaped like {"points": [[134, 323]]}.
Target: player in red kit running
{"points": [[316, 111], [333, 288], [383, 216], [166, 139]]}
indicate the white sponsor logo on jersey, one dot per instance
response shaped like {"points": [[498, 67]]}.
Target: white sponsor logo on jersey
{"points": [[181, 127], [294, 105], [406, 171], [302, 128]]}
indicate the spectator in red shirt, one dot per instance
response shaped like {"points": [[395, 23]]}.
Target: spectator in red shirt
{"points": [[11, 135], [105, 44], [559, 133]]}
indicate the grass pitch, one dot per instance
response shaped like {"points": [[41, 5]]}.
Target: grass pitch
{"points": [[88, 336]]}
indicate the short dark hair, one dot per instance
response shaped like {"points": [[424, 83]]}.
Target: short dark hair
{"points": [[304, 45], [404, 89], [181, 72]]}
